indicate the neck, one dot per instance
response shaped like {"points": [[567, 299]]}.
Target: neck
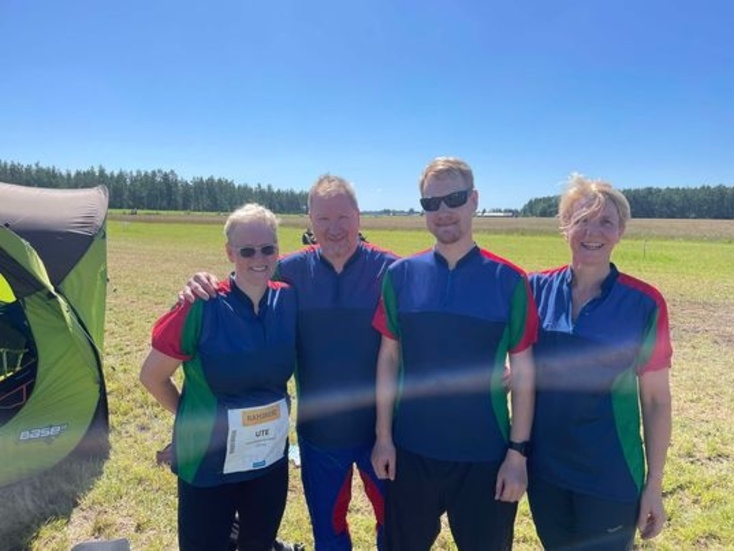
{"points": [[454, 252], [589, 277], [253, 292], [339, 262]]}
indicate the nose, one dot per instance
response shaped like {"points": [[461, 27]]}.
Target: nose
{"points": [[442, 207]]}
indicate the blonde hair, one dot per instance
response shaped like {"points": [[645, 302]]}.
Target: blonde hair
{"points": [[251, 212], [442, 167], [599, 194], [329, 185]]}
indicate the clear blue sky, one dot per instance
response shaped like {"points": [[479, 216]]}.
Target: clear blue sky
{"points": [[279, 91]]}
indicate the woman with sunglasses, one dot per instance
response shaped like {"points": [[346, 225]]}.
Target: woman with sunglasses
{"points": [[232, 415], [602, 360]]}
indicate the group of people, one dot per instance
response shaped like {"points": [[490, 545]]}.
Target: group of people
{"points": [[400, 369]]}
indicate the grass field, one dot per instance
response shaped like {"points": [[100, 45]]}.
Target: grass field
{"points": [[129, 496]]}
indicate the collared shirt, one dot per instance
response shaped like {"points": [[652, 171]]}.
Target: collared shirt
{"points": [[455, 327], [337, 346], [586, 433], [232, 358]]}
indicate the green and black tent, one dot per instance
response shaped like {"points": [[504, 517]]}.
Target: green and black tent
{"points": [[53, 280]]}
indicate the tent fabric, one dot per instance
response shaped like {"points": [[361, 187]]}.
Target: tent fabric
{"points": [[55, 275], [58, 223]]}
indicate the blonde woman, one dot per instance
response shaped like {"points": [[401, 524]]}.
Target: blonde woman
{"points": [[231, 428], [602, 360]]}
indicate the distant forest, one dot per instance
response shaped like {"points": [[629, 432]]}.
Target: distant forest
{"points": [[158, 190], [164, 190], [715, 202]]}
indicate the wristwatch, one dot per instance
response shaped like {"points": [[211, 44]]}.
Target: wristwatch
{"points": [[523, 448]]}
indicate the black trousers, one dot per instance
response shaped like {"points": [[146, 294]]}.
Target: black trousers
{"points": [[426, 488], [205, 515], [567, 520]]}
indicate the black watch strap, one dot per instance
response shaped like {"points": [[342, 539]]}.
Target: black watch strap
{"points": [[523, 448]]}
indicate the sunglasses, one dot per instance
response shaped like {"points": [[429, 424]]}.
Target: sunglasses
{"points": [[452, 200], [265, 250]]}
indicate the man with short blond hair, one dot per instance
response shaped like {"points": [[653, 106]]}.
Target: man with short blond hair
{"points": [[449, 317]]}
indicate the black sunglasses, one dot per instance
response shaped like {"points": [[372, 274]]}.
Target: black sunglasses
{"points": [[452, 200], [265, 250]]}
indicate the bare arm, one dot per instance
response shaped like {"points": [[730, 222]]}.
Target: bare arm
{"points": [[201, 285], [388, 361], [657, 425], [512, 478], [156, 376]]}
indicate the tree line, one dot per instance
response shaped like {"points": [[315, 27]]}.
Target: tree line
{"points": [[165, 190], [714, 202], [158, 189]]}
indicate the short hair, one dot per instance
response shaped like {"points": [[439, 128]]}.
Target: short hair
{"points": [[442, 167], [251, 212], [600, 192], [329, 185]]}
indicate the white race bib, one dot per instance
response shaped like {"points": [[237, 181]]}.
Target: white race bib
{"points": [[257, 436]]}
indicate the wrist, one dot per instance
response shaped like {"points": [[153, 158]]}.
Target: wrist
{"points": [[654, 481], [519, 448]]}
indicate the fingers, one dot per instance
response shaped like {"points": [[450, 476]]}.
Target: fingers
{"points": [[508, 491], [383, 461], [650, 526], [384, 469]]}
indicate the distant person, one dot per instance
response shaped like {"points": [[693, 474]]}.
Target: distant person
{"points": [[338, 282], [449, 317], [232, 415], [602, 358]]}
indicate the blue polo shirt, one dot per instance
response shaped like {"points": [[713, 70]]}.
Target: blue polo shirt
{"points": [[337, 346], [455, 327], [232, 358], [586, 433]]}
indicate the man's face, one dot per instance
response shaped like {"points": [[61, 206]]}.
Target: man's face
{"points": [[450, 225], [335, 224]]}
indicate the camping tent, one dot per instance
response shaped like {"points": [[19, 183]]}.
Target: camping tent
{"points": [[53, 279]]}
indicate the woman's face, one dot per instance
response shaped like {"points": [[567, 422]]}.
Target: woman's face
{"points": [[593, 236], [253, 249]]}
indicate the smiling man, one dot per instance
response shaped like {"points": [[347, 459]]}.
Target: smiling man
{"points": [[449, 317]]}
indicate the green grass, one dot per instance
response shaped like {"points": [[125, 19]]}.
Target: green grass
{"points": [[129, 496]]}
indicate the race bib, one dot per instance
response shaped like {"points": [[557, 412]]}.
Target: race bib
{"points": [[257, 437]]}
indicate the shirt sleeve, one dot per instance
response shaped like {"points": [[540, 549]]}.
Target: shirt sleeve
{"points": [[656, 351], [385, 318], [523, 318], [168, 333]]}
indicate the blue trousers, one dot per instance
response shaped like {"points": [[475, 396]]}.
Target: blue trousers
{"points": [[327, 486]]}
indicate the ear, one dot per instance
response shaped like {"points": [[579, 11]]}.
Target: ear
{"points": [[475, 199], [231, 254]]}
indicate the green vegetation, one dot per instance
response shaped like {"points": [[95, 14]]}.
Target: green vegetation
{"points": [[715, 202], [131, 497], [164, 190]]}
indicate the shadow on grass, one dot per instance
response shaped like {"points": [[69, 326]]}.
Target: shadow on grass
{"points": [[27, 505]]}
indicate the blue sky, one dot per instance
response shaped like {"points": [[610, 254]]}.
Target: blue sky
{"points": [[640, 93]]}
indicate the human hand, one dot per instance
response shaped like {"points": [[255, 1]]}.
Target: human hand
{"points": [[652, 513], [512, 478], [383, 459], [202, 285]]}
